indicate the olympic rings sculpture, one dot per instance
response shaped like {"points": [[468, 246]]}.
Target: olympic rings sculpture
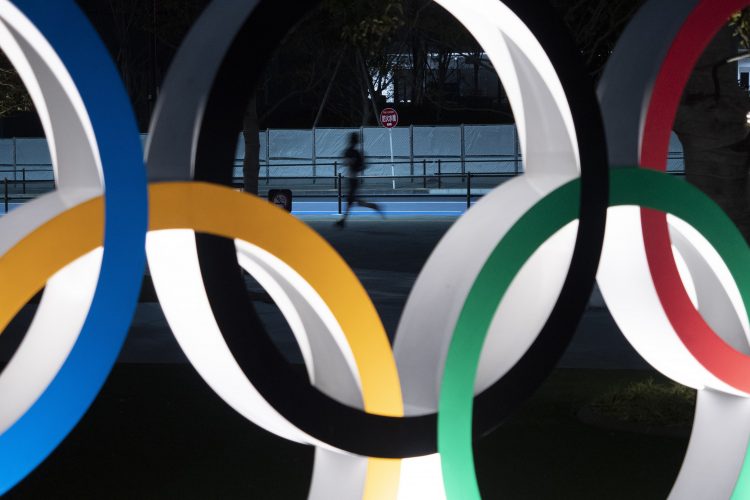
{"points": [[473, 342]]}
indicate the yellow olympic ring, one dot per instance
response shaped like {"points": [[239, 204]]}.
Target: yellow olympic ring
{"points": [[204, 208]]}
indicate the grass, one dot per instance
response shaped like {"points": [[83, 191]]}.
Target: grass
{"points": [[547, 451], [157, 431], [649, 403]]}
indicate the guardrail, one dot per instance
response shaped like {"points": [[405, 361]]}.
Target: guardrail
{"points": [[511, 163], [26, 189], [417, 185], [414, 165], [465, 178]]}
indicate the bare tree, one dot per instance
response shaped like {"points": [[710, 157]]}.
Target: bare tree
{"points": [[595, 26], [711, 123], [711, 120], [13, 95], [251, 161]]}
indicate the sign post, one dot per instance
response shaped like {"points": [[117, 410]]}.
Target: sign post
{"points": [[389, 119]]}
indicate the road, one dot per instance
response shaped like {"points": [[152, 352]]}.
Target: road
{"points": [[386, 255], [390, 207]]}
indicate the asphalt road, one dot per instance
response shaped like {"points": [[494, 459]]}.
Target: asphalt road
{"points": [[387, 256]]}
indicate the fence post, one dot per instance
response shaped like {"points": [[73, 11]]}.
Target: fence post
{"points": [[463, 153], [15, 164], [515, 149], [335, 173], [424, 172], [23, 180], [339, 197], [440, 173], [411, 152], [5, 190], [468, 191], [314, 157], [268, 156], [362, 152]]}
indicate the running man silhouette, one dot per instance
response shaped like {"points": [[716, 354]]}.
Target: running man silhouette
{"points": [[355, 165]]}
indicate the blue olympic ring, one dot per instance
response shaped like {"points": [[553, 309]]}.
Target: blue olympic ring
{"points": [[34, 436]]}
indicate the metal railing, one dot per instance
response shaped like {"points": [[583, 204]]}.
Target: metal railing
{"points": [[437, 184], [415, 165], [426, 185]]}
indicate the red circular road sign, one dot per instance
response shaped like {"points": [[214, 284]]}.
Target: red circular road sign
{"points": [[389, 118]]}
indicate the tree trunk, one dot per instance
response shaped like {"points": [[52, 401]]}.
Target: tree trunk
{"points": [[418, 52], [711, 123], [369, 91], [328, 90], [251, 162]]}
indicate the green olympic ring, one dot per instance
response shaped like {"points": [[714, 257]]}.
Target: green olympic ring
{"points": [[628, 186]]}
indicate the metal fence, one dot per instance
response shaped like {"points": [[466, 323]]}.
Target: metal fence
{"points": [[405, 161], [469, 186], [318, 153], [25, 158], [398, 151], [415, 149]]}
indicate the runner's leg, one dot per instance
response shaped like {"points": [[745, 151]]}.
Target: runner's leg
{"points": [[351, 197]]}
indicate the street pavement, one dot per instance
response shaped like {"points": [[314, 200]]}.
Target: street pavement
{"points": [[387, 256], [450, 207]]}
